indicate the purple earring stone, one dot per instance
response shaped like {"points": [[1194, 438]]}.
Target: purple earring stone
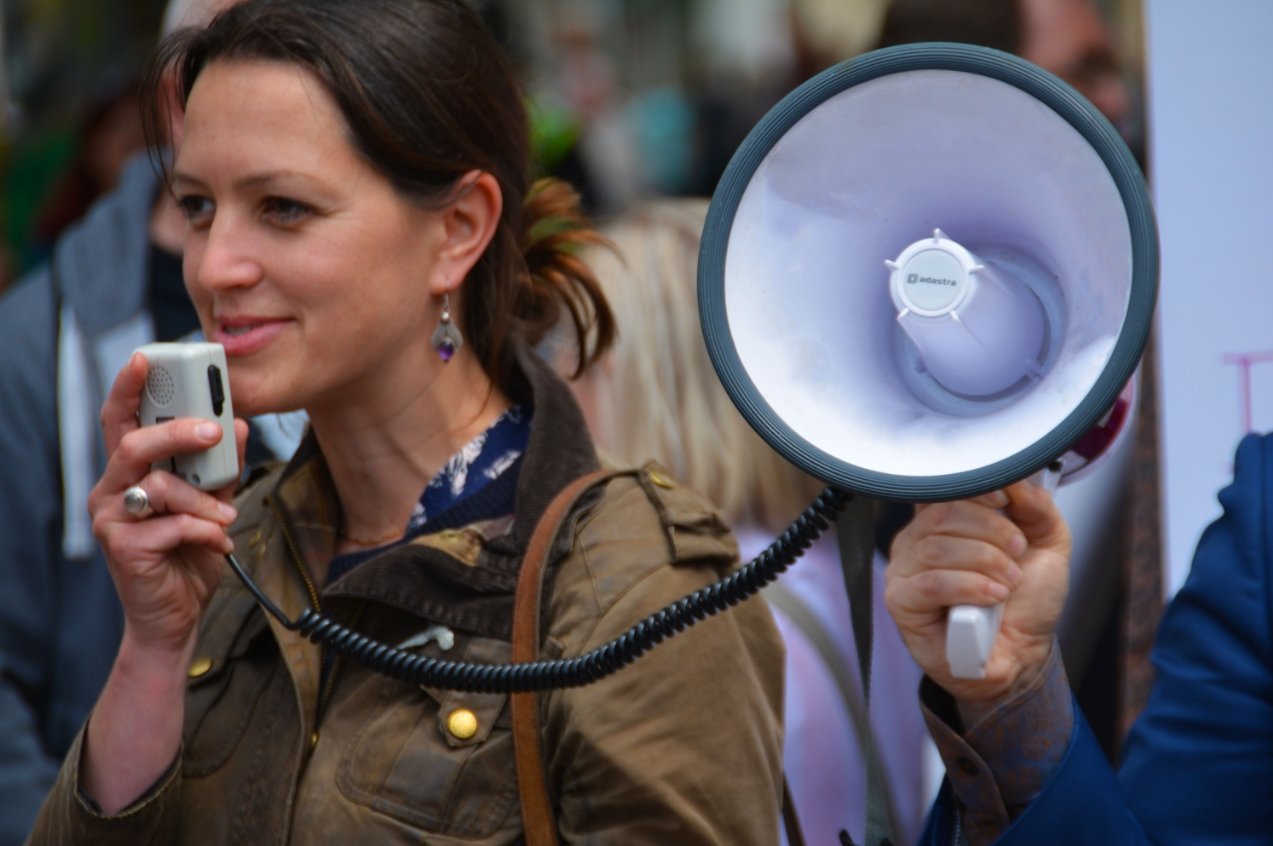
{"points": [[446, 339]]}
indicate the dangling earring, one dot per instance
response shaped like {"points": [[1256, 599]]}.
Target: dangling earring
{"points": [[446, 339]]}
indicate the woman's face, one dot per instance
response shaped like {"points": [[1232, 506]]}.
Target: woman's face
{"points": [[303, 261]]}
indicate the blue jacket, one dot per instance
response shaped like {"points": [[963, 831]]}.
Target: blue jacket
{"points": [[1198, 764]]}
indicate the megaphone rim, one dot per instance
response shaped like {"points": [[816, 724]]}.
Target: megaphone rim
{"points": [[1067, 103]]}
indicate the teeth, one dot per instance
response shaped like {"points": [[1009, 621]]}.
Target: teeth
{"points": [[237, 330]]}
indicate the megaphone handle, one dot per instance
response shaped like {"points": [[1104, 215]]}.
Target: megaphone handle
{"points": [[971, 629]]}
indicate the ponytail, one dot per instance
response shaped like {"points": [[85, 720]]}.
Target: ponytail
{"points": [[555, 233]]}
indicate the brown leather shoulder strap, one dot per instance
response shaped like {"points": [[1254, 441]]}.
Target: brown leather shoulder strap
{"points": [[537, 810]]}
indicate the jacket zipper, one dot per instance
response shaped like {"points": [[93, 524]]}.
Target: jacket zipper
{"points": [[338, 663], [296, 560], [325, 694], [959, 839]]}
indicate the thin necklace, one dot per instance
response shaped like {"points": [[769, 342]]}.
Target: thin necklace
{"points": [[368, 542]]}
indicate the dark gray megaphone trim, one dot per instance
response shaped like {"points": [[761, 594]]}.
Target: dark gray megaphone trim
{"points": [[983, 61]]}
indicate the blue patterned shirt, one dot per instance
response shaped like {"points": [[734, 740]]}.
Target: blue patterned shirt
{"points": [[488, 464]]}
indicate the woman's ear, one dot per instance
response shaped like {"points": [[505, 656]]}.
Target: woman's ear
{"points": [[469, 223]]}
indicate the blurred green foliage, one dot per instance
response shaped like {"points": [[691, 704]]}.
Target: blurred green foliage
{"points": [[59, 58]]}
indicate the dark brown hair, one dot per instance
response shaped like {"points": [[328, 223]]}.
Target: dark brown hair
{"points": [[989, 23], [428, 96]]}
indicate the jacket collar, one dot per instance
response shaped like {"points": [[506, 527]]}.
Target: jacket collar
{"points": [[466, 577]]}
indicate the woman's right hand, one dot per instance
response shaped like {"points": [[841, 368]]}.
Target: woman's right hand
{"points": [[167, 563]]}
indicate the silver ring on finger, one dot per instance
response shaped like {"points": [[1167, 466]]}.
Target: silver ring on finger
{"points": [[136, 502]]}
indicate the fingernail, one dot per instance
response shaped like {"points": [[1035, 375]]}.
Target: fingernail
{"points": [[227, 511], [208, 431], [1017, 546], [1015, 575], [999, 591]]}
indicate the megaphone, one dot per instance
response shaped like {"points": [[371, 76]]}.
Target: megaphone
{"points": [[927, 273]]}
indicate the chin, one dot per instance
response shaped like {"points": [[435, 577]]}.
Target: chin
{"points": [[252, 398]]}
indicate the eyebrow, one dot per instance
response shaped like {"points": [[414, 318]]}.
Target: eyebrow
{"points": [[256, 180]]}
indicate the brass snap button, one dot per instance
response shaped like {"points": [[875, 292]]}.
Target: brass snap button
{"points": [[199, 667], [462, 723], [659, 479]]}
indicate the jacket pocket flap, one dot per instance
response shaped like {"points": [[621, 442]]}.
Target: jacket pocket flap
{"points": [[229, 629], [696, 531], [465, 718]]}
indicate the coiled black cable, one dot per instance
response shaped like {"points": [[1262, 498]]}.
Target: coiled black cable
{"points": [[606, 659]]}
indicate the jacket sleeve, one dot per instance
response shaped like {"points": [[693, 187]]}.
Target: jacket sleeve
{"points": [[1198, 764], [684, 745], [1082, 803], [29, 517], [68, 817]]}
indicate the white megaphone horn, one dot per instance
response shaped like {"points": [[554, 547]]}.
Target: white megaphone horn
{"points": [[927, 273]]}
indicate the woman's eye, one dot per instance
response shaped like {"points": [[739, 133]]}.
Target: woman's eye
{"points": [[198, 210], [284, 211]]}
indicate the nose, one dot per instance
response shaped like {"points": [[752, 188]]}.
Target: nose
{"points": [[221, 257]]}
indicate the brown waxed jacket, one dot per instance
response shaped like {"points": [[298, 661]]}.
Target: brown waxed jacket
{"points": [[681, 747]]}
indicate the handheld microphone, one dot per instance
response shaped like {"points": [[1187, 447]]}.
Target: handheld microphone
{"points": [[192, 380]]}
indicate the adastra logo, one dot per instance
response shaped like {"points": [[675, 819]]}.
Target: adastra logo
{"points": [[916, 279]]}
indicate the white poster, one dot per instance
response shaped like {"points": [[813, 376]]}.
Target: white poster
{"points": [[1209, 85]]}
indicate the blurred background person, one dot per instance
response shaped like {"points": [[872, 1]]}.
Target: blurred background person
{"points": [[107, 137], [1069, 38], [114, 282], [67, 113], [656, 395]]}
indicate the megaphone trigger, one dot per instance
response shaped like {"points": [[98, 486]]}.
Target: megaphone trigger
{"points": [[970, 638]]}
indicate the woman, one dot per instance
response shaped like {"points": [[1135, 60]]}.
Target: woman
{"points": [[353, 176]]}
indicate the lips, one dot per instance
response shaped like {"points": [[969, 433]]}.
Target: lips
{"points": [[247, 335]]}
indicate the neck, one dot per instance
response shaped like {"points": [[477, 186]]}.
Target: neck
{"points": [[381, 456]]}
